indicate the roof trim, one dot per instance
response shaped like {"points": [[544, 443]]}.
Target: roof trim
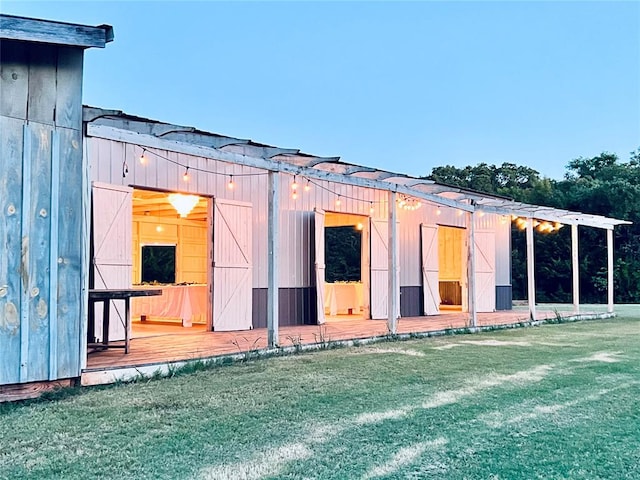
{"points": [[154, 134], [58, 33]]}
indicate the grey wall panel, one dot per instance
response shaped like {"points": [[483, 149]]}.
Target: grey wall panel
{"points": [[411, 301], [504, 297], [259, 308]]}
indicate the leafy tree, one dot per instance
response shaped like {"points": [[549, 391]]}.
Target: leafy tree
{"points": [[599, 185]]}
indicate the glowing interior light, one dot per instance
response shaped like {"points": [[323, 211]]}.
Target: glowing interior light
{"points": [[183, 203]]}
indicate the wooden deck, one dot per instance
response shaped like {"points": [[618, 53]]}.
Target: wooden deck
{"points": [[157, 345]]}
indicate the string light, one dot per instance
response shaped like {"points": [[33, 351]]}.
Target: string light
{"points": [[438, 211], [408, 203], [542, 226]]}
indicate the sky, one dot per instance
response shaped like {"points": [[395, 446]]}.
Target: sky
{"points": [[400, 86]]}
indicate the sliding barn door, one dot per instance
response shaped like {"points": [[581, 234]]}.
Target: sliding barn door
{"points": [[485, 271], [430, 269], [319, 264], [232, 267], [112, 254], [379, 270]]}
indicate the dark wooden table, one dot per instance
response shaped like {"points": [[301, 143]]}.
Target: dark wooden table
{"points": [[105, 296]]}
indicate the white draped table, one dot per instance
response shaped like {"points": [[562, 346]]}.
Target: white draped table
{"points": [[342, 298], [187, 303]]}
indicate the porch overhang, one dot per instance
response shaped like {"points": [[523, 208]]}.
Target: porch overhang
{"points": [[147, 133]]}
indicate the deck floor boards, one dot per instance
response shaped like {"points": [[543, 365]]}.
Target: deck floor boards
{"points": [[155, 344]]}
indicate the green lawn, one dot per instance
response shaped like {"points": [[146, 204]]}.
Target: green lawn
{"points": [[555, 401]]}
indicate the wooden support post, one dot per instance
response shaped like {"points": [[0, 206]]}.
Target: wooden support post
{"points": [[272, 260], [393, 264], [575, 267], [471, 268], [531, 281], [610, 270]]}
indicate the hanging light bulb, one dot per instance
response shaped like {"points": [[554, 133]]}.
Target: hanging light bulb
{"points": [[338, 202], [185, 175], [294, 184], [371, 209], [307, 186], [231, 185], [294, 195], [143, 159], [438, 211]]}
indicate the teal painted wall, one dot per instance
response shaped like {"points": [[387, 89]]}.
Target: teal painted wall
{"points": [[41, 212]]}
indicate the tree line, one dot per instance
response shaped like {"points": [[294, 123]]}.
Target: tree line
{"points": [[601, 185]]}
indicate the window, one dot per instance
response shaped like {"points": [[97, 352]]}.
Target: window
{"points": [[158, 264], [343, 246]]}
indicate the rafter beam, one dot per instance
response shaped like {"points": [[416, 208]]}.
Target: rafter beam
{"points": [[150, 141]]}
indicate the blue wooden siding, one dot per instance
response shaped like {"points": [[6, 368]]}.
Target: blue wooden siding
{"points": [[41, 230]]}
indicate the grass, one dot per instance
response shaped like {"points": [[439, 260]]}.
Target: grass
{"points": [[555, 401]]}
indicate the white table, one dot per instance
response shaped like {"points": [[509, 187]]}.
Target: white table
{"points": [[187, 303], [342, 298]]}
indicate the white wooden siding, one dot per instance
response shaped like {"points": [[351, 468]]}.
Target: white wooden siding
{"points": [[296, 222]]}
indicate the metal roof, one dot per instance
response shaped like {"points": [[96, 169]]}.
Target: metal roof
{"points": [[52, 32], [152, 133]]}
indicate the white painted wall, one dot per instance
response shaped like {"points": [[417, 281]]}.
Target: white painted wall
{"points": [[296, 227]]}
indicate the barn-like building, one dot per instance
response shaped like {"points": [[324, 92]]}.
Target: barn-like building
{"points": [[221, 234]]}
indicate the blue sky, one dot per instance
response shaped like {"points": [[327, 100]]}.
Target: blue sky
{"points": [[398, 86]]}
